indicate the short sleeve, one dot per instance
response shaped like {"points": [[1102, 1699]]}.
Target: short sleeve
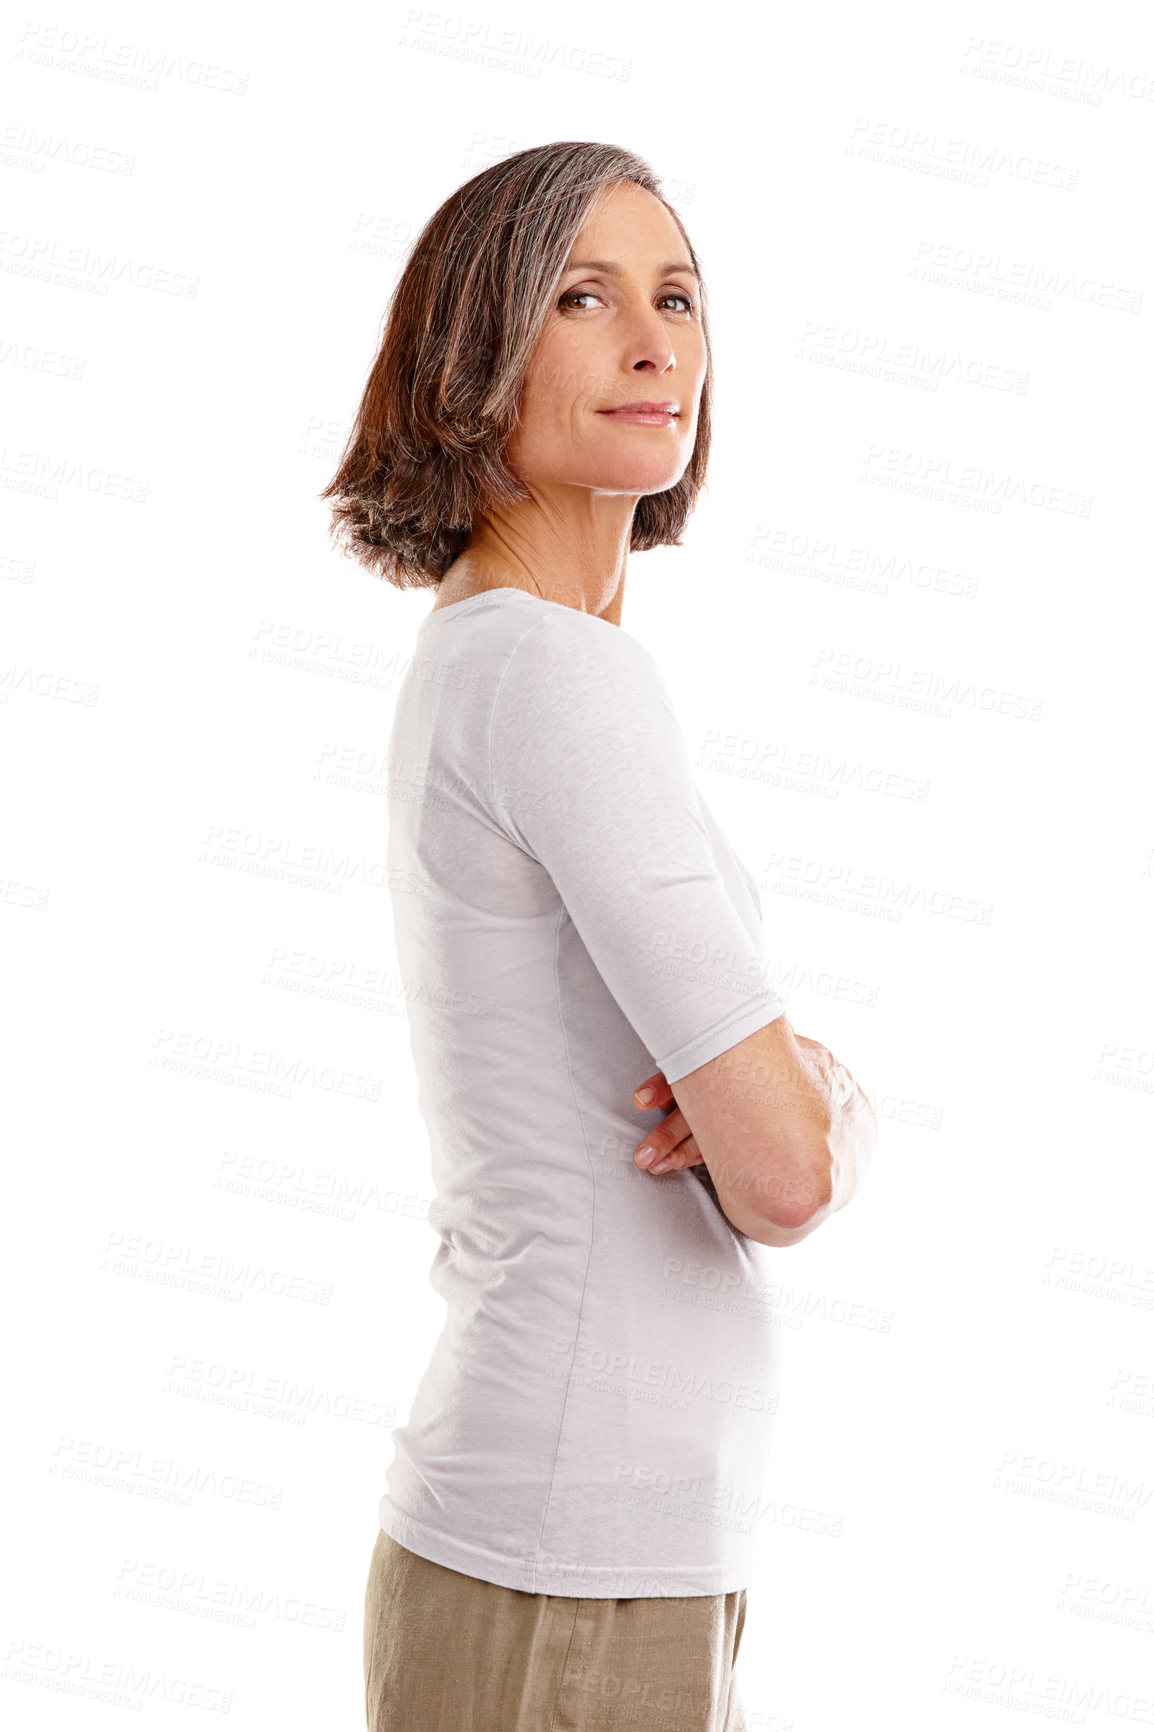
{"points": [[591, 775]]}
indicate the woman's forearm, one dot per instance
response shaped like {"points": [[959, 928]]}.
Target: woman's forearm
{"points": [[784, 1130]]}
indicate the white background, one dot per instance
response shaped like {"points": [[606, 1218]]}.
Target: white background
{"points": [[907, 634]]}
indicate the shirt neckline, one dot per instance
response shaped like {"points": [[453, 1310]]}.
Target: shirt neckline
{"points": [[467, 602]]}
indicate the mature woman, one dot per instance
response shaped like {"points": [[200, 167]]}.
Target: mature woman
{"points": [[568, 1530]]}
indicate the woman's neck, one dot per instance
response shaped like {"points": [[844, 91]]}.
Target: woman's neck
{"points": [[476, 570]]}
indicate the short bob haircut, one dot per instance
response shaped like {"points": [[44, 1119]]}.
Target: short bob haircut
{"points": [[427, 452]]}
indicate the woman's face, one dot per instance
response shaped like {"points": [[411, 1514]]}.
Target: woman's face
{"points": [[614, 337]]}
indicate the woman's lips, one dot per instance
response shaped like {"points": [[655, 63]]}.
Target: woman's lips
{"points": [[643, 414]]}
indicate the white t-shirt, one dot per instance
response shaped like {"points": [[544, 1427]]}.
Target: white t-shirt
{"points": [[595, 1418]]}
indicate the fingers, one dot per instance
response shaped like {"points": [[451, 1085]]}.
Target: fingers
{"points": [[656, 1090], [686, 1154], [662, 1141], [669, 1147]]}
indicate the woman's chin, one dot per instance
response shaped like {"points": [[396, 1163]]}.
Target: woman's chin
{"points": [[639, 476]]}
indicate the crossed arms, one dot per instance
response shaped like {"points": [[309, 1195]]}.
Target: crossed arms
{"points": [[782, 1127]]}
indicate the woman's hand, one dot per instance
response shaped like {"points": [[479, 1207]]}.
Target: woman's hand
{"points": [[672, 1143]]}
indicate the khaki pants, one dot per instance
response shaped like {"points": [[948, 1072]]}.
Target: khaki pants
{"points": [[445, 1652]]}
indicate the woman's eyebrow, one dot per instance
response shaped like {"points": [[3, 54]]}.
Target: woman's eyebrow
{"points": [[614, 270]]}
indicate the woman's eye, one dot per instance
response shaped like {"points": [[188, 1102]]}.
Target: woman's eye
{"points": [[591, 295]]}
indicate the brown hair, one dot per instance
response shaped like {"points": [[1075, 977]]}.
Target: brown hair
{"points": [[427, 449]]}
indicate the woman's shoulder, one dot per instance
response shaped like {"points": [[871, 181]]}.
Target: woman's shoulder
{"points": [[526, 654], [572, 679], [523, 629], [550, 642]]}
